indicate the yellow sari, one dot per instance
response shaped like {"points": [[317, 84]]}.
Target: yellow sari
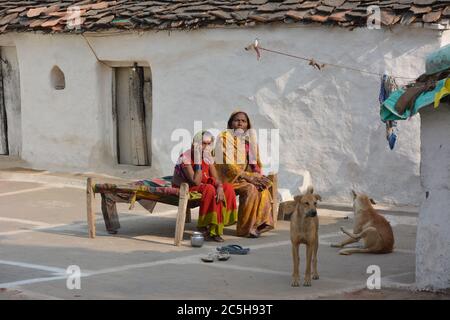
{"points": [[235, 158]]}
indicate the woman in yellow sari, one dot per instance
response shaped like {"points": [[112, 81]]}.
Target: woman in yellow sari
{"points": [[237, 162]]}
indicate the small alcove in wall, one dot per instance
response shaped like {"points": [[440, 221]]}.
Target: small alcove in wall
{"points": [[57, 78]]}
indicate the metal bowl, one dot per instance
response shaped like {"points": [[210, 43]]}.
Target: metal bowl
{"points": [[197, 239]]}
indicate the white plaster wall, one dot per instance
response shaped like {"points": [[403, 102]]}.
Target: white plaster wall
{"points": [[328, 120], [60, 128], [433, 237], [445, 39]]}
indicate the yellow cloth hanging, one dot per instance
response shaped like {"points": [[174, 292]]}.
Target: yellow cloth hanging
{"points": [[443, 92]]}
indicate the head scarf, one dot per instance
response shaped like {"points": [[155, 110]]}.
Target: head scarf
{"points": [[208, 152], [198, 137], [230, 120]]}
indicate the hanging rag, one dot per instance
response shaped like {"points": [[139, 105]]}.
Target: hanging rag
{"points": [[424, 83], [388, 85], [442, 93]]}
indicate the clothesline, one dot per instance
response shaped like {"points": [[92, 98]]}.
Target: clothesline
{"points": [[314, 63]]}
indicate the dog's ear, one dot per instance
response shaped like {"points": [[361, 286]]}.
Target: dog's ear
{"points": [[318, 197], [354, 194], [297, 198], [310, 190], [372, 201]]}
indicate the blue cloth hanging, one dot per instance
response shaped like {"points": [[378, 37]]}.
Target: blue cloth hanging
{"points": [[387, 86]]}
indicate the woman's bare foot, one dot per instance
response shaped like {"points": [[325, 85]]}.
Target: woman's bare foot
{"points": [[253, 235], [218, 239]]}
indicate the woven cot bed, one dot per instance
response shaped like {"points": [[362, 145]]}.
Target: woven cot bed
{"points": [[152, 191]]}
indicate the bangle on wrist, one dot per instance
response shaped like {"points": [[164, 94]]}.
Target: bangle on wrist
{"points": [[197, 167]]}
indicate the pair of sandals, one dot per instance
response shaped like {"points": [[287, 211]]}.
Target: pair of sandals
{"points": [[223, 253], [234, 249], [221, 256]]}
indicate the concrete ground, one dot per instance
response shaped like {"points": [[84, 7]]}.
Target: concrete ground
{"points": [[43, 231]]}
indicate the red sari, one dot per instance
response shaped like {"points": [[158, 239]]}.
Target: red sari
{"points": [[212, 214]]}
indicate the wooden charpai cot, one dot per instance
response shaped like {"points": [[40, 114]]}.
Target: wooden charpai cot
{"points": [[179, 197]]}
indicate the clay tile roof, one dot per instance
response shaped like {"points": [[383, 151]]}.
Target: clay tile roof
{"points": [[96, 15]]}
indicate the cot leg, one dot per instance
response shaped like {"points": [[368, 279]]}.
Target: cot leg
{"points": [[181, 216], [90, 211]]}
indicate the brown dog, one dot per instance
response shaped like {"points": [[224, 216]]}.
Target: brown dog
{"points": [[305, 229], [370, 226]]}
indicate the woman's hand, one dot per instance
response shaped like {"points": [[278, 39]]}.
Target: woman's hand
{"points": [[259, 181], [207, 156], [249, 178], [220, 193], [265, 181], [197, 153]]}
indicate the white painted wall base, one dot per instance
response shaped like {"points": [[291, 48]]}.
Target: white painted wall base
{"points": [[433, 229]]}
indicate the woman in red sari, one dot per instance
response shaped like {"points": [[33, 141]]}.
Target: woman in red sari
{"points": [[218, 203]]}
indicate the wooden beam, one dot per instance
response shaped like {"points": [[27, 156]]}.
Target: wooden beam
{"points": [[137, 115], [4, 150], [181, 216], [148, 110], [274, 192], [90, 211], [115, 116]]}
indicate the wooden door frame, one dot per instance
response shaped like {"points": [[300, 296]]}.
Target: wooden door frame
{"points": [[148, 112], [3, 115]]}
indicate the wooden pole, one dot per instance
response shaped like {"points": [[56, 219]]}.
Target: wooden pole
{"points": [[181, 216], [137, 116], [90, 211], [274, 178], [3, 119]]}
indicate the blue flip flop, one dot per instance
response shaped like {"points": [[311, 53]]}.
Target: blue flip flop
{"points": [[233, 249]]}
